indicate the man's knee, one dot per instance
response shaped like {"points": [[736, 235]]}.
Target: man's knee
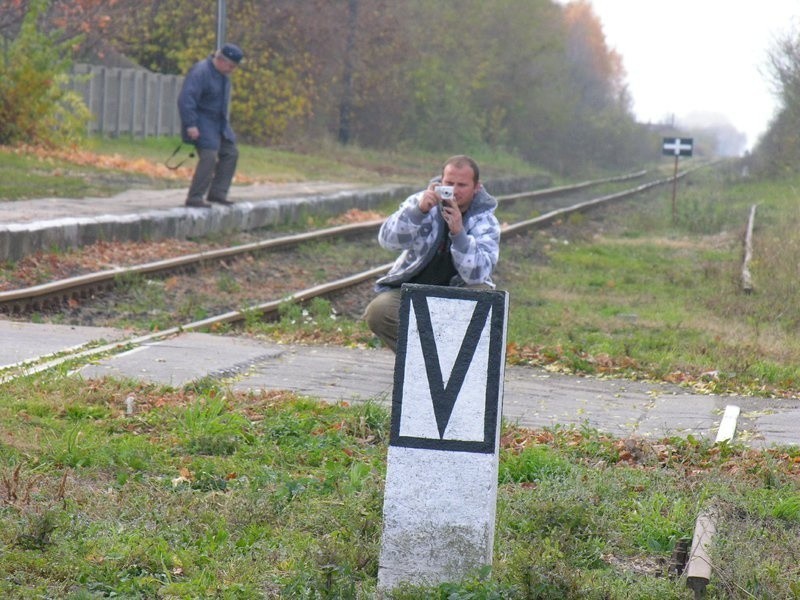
{"points": [[381, 316], [228, 150], [380, 310]]}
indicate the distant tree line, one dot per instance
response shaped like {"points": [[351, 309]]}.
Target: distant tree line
{"points": [[530, 77], [778, 151]]}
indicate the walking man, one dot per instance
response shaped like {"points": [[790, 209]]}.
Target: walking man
{"points": [[203, 106]]}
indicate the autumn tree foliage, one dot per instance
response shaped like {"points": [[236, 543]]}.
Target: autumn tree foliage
{"points": [[81, 25], [531, 77], [600, 123], [778, 152], [272, 85], [35, 104]]}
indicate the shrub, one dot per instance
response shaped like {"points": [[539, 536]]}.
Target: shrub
{"points": [[35, 105]]}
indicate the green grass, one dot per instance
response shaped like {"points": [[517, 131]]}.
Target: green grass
{"points": [[203, 493], [644, 295], [631, 291], [206, 493], [26, 176]]}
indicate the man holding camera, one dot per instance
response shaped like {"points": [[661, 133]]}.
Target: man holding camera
{"points": [[447, 235]]}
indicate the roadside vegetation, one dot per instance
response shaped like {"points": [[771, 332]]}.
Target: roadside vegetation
{"points": [[534, 76], [112, 488], [115, 489], [631, 291], [105, 166], [204, 492], [638, 293]]}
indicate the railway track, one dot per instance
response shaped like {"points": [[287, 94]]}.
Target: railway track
{"points": [[60, 292], [37, 295]]}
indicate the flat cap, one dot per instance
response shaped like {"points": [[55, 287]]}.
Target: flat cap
{"points": [[232, 52]]}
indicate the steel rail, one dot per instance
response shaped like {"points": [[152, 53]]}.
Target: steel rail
{"points": [[72, 285], [564, 189], [43, 363], [170, 264], [559, 212]]}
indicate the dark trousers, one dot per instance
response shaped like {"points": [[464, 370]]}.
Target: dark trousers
{"points": [[214, 172]]}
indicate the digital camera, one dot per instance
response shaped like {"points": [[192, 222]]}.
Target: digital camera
{"points": [[445, 192]]}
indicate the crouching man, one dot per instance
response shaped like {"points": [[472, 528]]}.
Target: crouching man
{"points": [[447, 235]]}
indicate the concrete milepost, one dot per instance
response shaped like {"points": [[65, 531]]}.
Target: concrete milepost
{"points": [[441, 482]]}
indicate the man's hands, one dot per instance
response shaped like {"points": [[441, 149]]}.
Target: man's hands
{"points": [[193, 133], [450, 211]]}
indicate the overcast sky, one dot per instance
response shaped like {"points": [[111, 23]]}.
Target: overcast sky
{"points": [[707, 56]]}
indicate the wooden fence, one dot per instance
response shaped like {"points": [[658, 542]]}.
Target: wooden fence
{"points": [[133, 102]]}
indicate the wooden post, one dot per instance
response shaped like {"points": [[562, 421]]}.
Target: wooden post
{"points": [[747, 282], [674, 186], [698, 569]]}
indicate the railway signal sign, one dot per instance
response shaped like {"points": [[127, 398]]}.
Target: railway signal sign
{"points": [[677, 146], [440, 497]]}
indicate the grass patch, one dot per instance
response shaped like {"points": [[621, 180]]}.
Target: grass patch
{"points": [[628, 291], [314, 321], [25, 176], [106, 166], [203, 492], [640, 294]]}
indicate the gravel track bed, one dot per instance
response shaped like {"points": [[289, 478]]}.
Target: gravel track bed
{"points": [[160, 303]]}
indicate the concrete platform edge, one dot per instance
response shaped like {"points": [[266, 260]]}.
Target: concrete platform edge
{"points": [[18, 240]]}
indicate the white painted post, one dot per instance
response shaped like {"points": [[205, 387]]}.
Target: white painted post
{"points": [[441, 482], [727, 427]]}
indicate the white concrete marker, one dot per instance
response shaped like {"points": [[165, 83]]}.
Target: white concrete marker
{"points": [[727, 428], [441, 481]]}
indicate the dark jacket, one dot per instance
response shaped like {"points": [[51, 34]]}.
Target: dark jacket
{"points": [[203, 103]]}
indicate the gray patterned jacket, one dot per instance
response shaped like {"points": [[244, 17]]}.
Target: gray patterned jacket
{"points": [[475, 250]]}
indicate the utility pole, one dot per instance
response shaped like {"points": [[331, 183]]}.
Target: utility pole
{"points": [[221, 23], [346, 104]]}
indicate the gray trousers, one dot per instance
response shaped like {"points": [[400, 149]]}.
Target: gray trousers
{"points": [[383, 314], [383, 317], [214, 172]]}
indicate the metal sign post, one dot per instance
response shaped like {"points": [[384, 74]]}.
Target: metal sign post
{"points": [[676, 147], [221, 23]]}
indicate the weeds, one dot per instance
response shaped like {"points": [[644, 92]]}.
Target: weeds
{"points": [[648, 297], [37, 514], [203, 492], [16, 491], [208, 427], [309, 322]]}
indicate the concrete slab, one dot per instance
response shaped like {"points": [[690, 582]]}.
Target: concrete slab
{"points": [[330, 374], [682, 414], [182, 359], [136, 201], [26, 341], [28, 226], [763, 422], [532, 398]]}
